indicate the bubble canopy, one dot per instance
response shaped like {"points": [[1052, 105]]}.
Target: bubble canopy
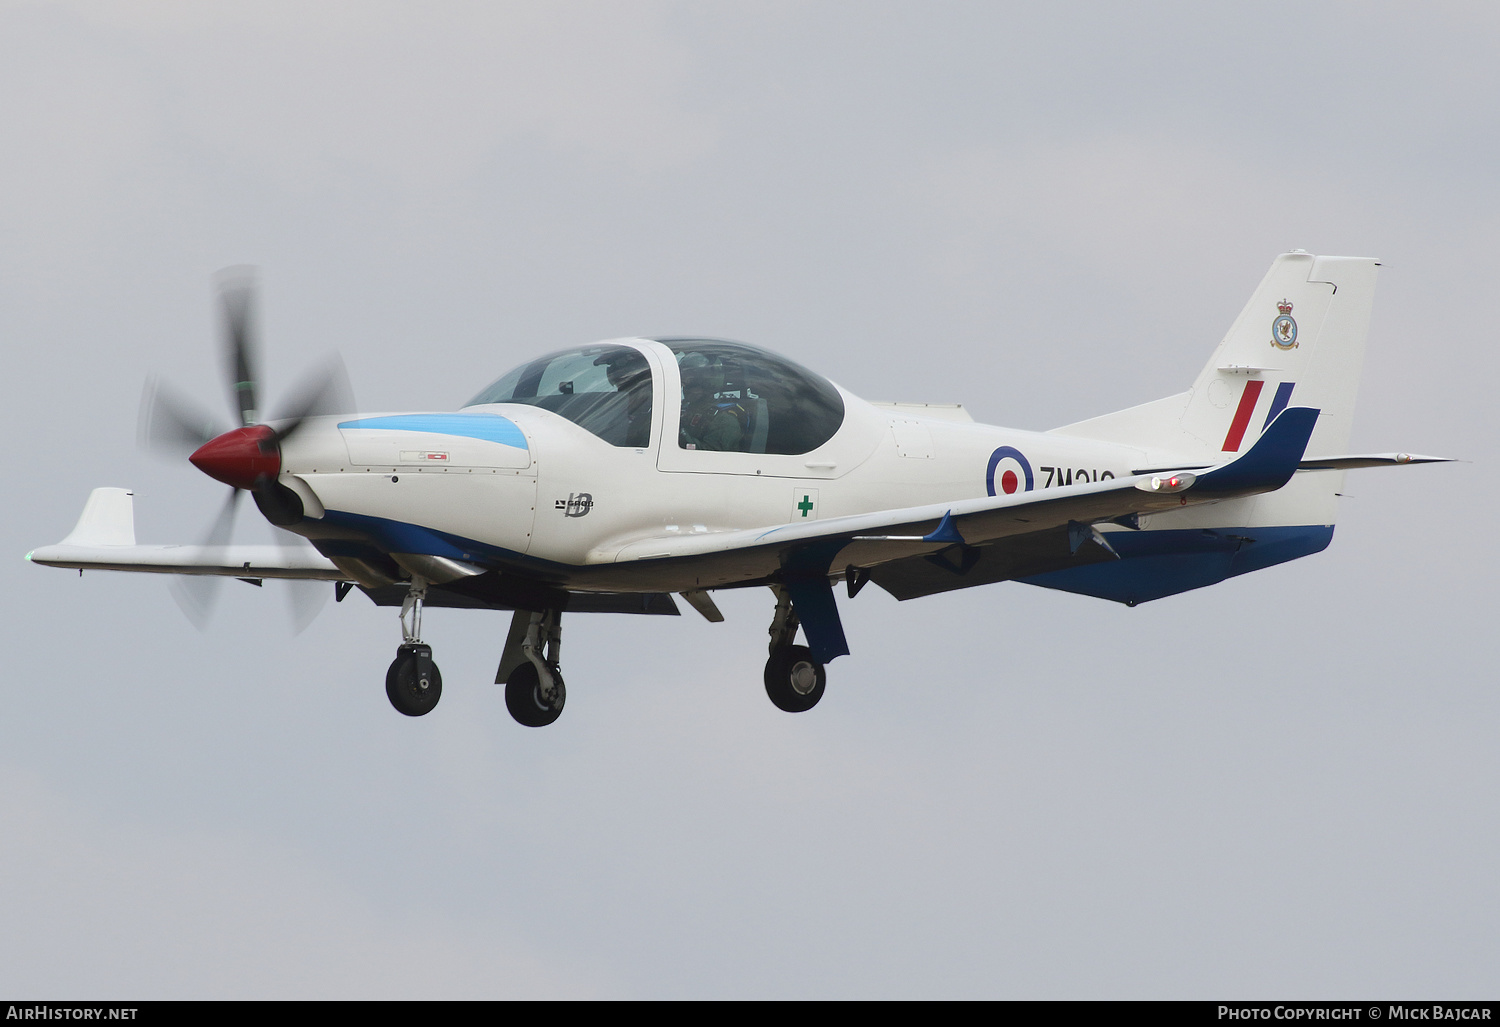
{"points": [[735, 397], [776, 405]]}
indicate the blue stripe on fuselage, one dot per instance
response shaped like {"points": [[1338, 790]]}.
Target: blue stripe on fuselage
{"points": [[487, 427]]}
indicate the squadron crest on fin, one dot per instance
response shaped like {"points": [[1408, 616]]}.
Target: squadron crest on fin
{"points": [[1284, 328]]}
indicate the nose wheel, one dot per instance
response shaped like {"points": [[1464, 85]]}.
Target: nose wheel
{"points": [[413, 684]]}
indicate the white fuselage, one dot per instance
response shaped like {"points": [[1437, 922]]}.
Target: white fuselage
{"points": [[558, 494]]}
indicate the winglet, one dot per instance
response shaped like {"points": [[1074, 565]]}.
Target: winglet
{"points": [[108, 519], [1271, 462], [946, 531]]}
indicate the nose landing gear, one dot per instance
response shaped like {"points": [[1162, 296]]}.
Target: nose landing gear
{"points": [[413, 683]]}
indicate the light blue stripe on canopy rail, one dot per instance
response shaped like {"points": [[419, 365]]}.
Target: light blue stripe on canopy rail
{"points": [[488, 427]]}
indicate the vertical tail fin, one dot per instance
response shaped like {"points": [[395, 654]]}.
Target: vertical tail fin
{"points": [[1299, 341]]}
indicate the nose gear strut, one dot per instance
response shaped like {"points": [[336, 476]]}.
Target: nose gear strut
{"points": [[413, 683]]}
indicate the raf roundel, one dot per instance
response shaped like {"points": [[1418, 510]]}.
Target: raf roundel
{"points": [[1009, 472]]}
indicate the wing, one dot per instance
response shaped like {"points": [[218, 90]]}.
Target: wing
{"points": [[226, 561], [104, 540]]}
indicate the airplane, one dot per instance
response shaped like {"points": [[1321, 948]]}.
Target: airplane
{"points": [[611, 477]]}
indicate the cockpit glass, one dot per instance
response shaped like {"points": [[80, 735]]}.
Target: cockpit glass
{"points": [[737, 398], [603, 389]]}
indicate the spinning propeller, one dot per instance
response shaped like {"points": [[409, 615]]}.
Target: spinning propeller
{"points": [[247, 457]]}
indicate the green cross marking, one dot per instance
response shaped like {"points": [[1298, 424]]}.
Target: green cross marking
{"points": [[804, 506]]}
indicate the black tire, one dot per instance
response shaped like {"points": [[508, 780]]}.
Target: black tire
{"points": [[786, 679], [402, 689], [523, 697]]}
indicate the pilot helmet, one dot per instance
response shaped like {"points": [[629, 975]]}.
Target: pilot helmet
{"points": [[698, 373], [622, 366]]}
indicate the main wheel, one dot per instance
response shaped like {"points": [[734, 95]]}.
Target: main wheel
{"points": [[794, 680], [523, 697], [405, 692]]}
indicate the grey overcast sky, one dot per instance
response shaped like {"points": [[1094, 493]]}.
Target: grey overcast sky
{"points": [[1286, 785]]}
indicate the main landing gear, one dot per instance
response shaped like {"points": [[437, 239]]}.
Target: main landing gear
{"points": [[794, 680], [534, 691], [413, 683]]}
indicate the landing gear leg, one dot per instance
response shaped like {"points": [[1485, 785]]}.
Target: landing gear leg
{"points": [[413, 683], [534, 691], [794, 680]]}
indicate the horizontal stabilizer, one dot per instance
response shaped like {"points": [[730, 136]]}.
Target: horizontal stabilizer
{"points": [[1347, 463]]}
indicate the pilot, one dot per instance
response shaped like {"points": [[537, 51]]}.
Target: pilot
{"points": [[706, 423], [628, 373]]}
